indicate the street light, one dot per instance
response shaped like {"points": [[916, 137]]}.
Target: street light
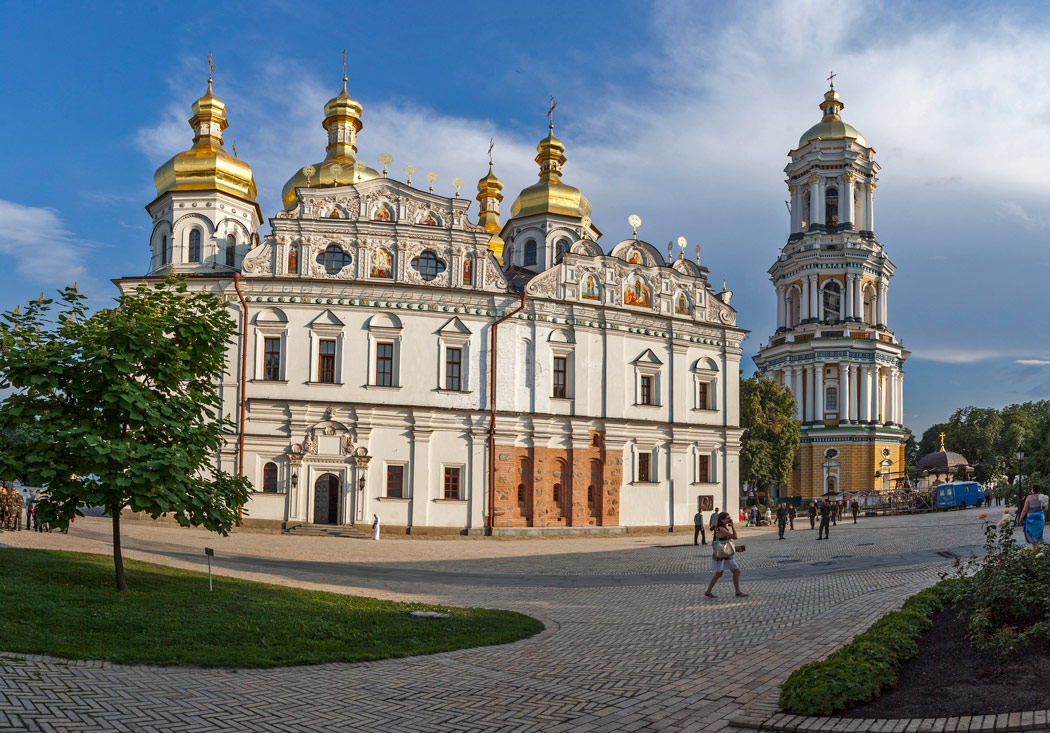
{"points": [[1020, 492], [295, 480]]}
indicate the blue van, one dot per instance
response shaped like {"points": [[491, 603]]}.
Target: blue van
{"points": [[959, 493]]}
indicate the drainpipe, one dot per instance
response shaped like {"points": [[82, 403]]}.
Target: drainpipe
{"points": [[244, 363], [492, 411]]}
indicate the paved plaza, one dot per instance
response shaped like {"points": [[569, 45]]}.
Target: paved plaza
{"points": [[630, 642]]}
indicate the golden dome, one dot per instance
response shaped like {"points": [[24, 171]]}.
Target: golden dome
{"points": [[550, 195], [206, 166], [340, 167], [489, 197], [831, 126]]}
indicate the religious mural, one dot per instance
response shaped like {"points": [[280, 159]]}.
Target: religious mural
{"points": [[590, 288], [381, 263], [636, 292], [468, 270], [293, 260], [682, 306], [635, 258], [382, 214]]}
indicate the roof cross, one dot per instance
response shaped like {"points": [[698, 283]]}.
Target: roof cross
{"points": [[344, 64], [942, 442], [490, 151], [550, 113], [211, 69], [831, 78]]}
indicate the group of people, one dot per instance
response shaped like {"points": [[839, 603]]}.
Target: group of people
{"points": [[13, 508]]}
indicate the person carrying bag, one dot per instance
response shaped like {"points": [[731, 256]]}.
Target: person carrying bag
{"points": [[724, 554]]}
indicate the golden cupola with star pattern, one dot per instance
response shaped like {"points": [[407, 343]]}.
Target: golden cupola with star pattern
{"points": [[489, 197], [207, 166], [340, 167]]}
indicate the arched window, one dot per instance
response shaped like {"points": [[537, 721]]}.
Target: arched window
{"points": [[557, 493], [832, 301], [270, 478], [831, 207], [560, 249], [521, 493], [334, 259], [805, 211], [530, 253], [428, 265], [869, 305], [231, 250], [164, 249], [195, 245], [794, 307], [831, 484], [831, 399], [590, 495]]}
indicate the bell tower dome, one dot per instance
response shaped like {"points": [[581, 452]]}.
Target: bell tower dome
{"points": [[833, 346]]}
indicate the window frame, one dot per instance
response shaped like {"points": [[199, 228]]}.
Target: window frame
{"points": [[528, 253], [231, 251], [424, 269], [645, 459], [391, 470], [271, 478], [646, 383], [326, 362], [446, 472], [454, 382], [560, 377], [272, 371], [163, 250], [330, 252], [388, 359], [195, 247]]}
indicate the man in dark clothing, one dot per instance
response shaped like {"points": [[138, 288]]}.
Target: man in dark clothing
{"points": [[833, 508], [782, 519], [812, 514], [826, 512], [854, 508], [792, 513], [698, 527]]}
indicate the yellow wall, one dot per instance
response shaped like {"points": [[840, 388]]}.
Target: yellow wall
{"points": [[857, 464]]}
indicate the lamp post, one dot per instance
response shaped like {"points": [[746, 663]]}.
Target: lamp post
{"points": [[1020, 492]]}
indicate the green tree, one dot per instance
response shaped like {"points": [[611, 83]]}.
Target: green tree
{"points": [[767, 448], [976, 434], [126, 405]]}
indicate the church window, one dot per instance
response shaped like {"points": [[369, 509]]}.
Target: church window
{"points": [[270, 478], [333, 259], [645, 467], [164, 249], [453, 369], [869, 305], [231, 250], [831, 399], [521, 493], [326, 361], [560, 373], [195, 245], [703, 468], [590, 496], [645, 392], [384, 365], [557, 493], [530, 253], [395, 481], [831, 207], [560, 249], [832, 301], [703, 399], [272, 359], [428, 265], [452, 482]]}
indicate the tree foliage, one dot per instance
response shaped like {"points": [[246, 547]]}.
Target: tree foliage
{"points": [[124, 406], [767, 415]]}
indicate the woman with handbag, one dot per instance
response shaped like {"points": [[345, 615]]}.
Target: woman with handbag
{"points": [[724, 555]]}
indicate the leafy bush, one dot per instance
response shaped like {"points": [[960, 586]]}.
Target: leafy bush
{"points": [[1004, 596], [866, 666]]}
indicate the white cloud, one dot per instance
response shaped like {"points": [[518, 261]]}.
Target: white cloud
{"points": [[41, 246], [1034, 362]]}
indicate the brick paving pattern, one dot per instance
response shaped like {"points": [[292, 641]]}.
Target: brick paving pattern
{"points": [[631, 644]]}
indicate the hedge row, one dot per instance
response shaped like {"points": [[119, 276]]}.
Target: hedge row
{"points": [[869, 664]]}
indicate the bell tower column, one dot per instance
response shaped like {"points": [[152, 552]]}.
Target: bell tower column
{"points": [[847, 296], [869, 211], [804, 305], [847, 200], [884, 289], [844, 397], [796, 388], [815, 214], [781, 307], [814, 307], [818, 393]]}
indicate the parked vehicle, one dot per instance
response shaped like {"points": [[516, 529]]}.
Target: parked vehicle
{"points": [[959, 493]]}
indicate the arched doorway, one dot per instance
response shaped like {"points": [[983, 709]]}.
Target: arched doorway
{"points": [[326, 499]]}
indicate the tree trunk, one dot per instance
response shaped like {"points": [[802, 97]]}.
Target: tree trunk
{"points": [[118, 559]]}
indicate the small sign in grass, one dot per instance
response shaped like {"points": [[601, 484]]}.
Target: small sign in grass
{"points": [[63, 604]]}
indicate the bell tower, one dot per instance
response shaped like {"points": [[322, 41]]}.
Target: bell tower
{"points": [[833, 346]]}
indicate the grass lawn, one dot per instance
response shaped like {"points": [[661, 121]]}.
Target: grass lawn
{"points": [[64, 604]]}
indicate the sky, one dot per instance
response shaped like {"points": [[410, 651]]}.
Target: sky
{"points": [[680, 112]]}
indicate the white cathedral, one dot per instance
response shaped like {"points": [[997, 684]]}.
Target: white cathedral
{"points": [[396, 358]]}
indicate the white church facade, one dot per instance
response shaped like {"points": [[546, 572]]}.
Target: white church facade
{"points": [[397, 358]]}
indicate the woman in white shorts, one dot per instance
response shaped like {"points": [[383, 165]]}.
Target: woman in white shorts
{"points": [[724, 530]]}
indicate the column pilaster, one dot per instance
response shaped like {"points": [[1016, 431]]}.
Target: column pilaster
{"points": [[864, 403], [818, 394], [814, 297], [814, 201], [781, 309], [844, 393], [804, 305]]}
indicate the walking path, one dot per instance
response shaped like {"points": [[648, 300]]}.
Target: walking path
{"points": [[630, 641]]}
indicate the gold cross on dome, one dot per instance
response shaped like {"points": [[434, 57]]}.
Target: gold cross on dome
{"points": [[211, 69], [831, 78], [344, 64], [942, 442], [550, 113], [490, 151]]}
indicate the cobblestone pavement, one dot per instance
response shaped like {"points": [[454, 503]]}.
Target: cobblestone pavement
{"points": [[630, 641]]}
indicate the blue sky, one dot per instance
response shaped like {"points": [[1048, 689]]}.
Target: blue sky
{"points": [[679, 112]]}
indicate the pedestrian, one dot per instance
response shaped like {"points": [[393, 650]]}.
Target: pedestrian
{"points": [[782, 519], [698, 527], [826, 514], [754, 516], [812, 514], [714, 522], [769, 517], [375, 526], [29, 507], [1031, 518], [14, 509], [724, 554], [835, 508], [854, 508]]}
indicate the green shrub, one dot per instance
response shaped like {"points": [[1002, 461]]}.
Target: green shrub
{"points": [[866, 666], [1004, 595]]}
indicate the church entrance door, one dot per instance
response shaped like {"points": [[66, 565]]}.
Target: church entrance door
{"points": [[326, 499]]}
